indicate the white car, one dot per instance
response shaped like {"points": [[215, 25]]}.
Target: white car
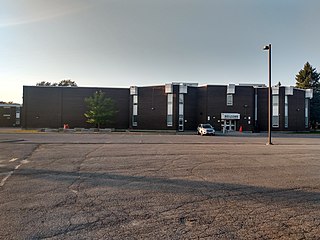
{"points": [[205, 129]]}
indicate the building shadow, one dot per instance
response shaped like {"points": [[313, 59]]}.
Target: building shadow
{"points": [[287, 196]]}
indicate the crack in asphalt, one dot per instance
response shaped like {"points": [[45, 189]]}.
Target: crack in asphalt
{"points": [[23, 161]]}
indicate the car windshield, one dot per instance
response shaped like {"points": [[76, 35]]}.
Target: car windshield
{"points": [[206, 126]]}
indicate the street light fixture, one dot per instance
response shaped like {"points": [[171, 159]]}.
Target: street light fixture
{"points": [[268, 48]]}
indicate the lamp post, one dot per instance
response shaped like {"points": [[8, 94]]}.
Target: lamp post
{"points": [[268, 47]]}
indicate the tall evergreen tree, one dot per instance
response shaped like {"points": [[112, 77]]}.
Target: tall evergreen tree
{"points": [[308, 78], [101, 110]]}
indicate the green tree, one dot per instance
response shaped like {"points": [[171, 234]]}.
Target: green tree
{"points": [[65, 82], [101, 110], [308, 78], [46, 84]]}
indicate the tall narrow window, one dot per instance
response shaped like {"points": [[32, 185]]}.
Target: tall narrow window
{"points": [[181, 110], [256, 105], [229, 100], [135, 110], [169, 109], [306, 112], [275, 110], [17, 115], [181, 104], [286, 112]]}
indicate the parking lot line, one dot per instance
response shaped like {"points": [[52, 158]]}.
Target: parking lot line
{"points": [[13, 159]]}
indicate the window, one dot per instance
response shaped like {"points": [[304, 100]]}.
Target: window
{"points": [[135, 99], [306, 112], [275, 110], [169, 110], [256, 105], [180, 98], [286, 112], [18, 115], [134, 121], [181, 109], [181, 104], [135, 110], [229, 100], [169, 120], [170, 98]]}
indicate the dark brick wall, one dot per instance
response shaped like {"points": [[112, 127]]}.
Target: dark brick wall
{"points": [[152, 108], [202, 105], [243, 103], [42, 107], [190, 109], [8, 116], [216, 104], [51, 107], [262, 124], [296, 111], [295, 106], [74, 107]]}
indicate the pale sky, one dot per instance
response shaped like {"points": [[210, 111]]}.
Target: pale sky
{"points": [[118, 43]]}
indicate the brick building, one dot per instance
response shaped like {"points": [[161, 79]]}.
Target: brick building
{"points": [[174, 106], [10, 114]]}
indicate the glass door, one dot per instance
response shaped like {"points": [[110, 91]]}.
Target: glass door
{"points": [[233, 125], [229, 125]]}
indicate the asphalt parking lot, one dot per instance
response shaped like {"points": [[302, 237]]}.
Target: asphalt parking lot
{"points": [[158, 186]]}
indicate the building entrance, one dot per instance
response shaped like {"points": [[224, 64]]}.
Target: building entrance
{"points": [[229, 121], [229, 125]]}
